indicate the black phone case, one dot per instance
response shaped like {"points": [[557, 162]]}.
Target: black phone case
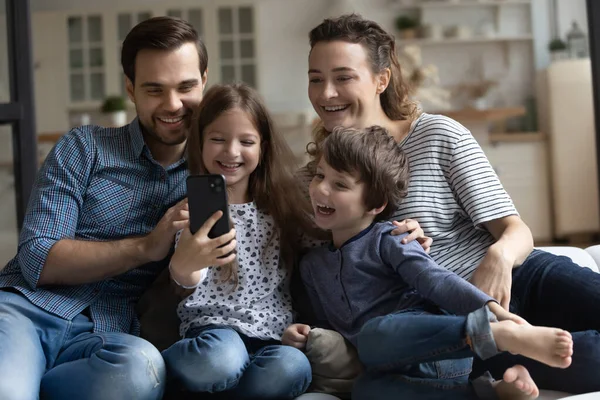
{"points": [[207, 194]]}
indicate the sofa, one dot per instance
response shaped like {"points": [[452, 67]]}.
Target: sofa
{"points": [[588, 258]]}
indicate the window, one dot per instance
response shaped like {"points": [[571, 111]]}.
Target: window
{"points": [[237, 53], [125, 22], [86, 58]]}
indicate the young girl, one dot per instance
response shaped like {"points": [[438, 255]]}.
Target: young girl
{"points": [[233, 322]]}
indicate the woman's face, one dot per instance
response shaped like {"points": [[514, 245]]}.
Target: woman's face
{"points": [[342, 88]]}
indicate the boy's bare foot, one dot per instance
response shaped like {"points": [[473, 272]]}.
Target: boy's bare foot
{"points": [[551, 346], [516, 385]]}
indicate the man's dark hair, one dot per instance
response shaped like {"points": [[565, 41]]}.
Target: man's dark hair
{"points": [[160, 33]]}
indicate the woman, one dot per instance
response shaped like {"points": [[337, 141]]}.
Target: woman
{"points": [[355, 81]]}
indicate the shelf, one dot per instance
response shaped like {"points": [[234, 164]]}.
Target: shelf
{"points": [[517, 137], [473, 40], [489, 115], [448, 4]]}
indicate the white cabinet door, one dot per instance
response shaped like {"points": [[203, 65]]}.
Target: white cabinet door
{"points": [[523, 170]]}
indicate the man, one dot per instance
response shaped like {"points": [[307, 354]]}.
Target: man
{"points": [[99, 227]]}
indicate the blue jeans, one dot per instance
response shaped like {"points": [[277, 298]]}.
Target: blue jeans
{"points": [[418, 354], [42, 355], [218, 359], [551, 290]]}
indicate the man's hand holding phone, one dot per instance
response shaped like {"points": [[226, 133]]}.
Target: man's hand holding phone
{"points": [[197, 251]]}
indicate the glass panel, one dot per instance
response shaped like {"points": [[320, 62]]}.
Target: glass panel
{"points": [[246, 20], [174, 13], [247, 48], [225, 21], [4, 82], [144, 16], [95, 28], [249, 74], [96, 57], [75, 29], [77, 87], [124, 25], [226, 49], [97, 86], [227, 73], [76, 58], [195, 19]]}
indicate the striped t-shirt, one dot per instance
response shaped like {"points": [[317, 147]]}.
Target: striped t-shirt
{"points": [[453, 190]]}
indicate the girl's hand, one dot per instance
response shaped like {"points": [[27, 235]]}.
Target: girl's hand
{"points": [[198, 251], [296, 335], [504, 315], [415, 233]]}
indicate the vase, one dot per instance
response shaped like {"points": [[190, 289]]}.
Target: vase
{"points": [[118, 118]]}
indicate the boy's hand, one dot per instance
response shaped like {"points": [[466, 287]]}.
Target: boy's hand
{"points": [[296, 336], [504, 315], [415, 232]]}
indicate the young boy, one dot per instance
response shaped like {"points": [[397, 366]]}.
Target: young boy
{"points": [[385, 296]]}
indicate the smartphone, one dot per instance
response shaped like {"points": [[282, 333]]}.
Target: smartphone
{"points": [[207, 194]]}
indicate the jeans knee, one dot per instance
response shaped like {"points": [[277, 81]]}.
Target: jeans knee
{"points": [[143, 372], [199, 367], [289, 376], [286, 369], [151, 372]]}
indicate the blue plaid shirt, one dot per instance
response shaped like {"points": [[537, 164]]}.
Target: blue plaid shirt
{"points": [[96, 184]]}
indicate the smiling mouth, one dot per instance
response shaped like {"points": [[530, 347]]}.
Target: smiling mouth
{"points": [[174, 120], [333, 109], [325, 210], [229, 166]]}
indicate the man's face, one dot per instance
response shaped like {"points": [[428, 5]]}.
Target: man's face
{"points": [[168, 87]]}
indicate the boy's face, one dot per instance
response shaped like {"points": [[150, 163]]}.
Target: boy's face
{"points": [[337, 200]]}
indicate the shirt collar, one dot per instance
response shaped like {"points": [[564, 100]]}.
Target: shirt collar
{"points": [[353, 238], [137, 139]]}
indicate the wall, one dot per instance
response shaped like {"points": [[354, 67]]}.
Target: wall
{"points": [[282, 48]]}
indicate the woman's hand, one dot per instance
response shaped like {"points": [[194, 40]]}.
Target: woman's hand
{"points": [[494, 276], [415, 233], [504, 315], [198, 251], [296, 335]]}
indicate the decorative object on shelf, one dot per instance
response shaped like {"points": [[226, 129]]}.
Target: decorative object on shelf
{"points": [[116, 108], [459, 32], [432, 31], [558, 49], [577, 42], [478, 93], [424, 80], [407, 26]]}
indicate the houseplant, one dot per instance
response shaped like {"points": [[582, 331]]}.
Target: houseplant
{"points": [[558, 49], [116, 108], [407, 26]]}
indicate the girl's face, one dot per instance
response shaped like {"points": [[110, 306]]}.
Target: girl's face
{"points": [[231, 147], [342, 87]]}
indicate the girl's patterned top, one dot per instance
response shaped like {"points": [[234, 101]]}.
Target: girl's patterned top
{"points": [[260, 306]]}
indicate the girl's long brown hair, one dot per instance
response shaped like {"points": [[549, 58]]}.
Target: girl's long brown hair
{"points": [[272, 185]]}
